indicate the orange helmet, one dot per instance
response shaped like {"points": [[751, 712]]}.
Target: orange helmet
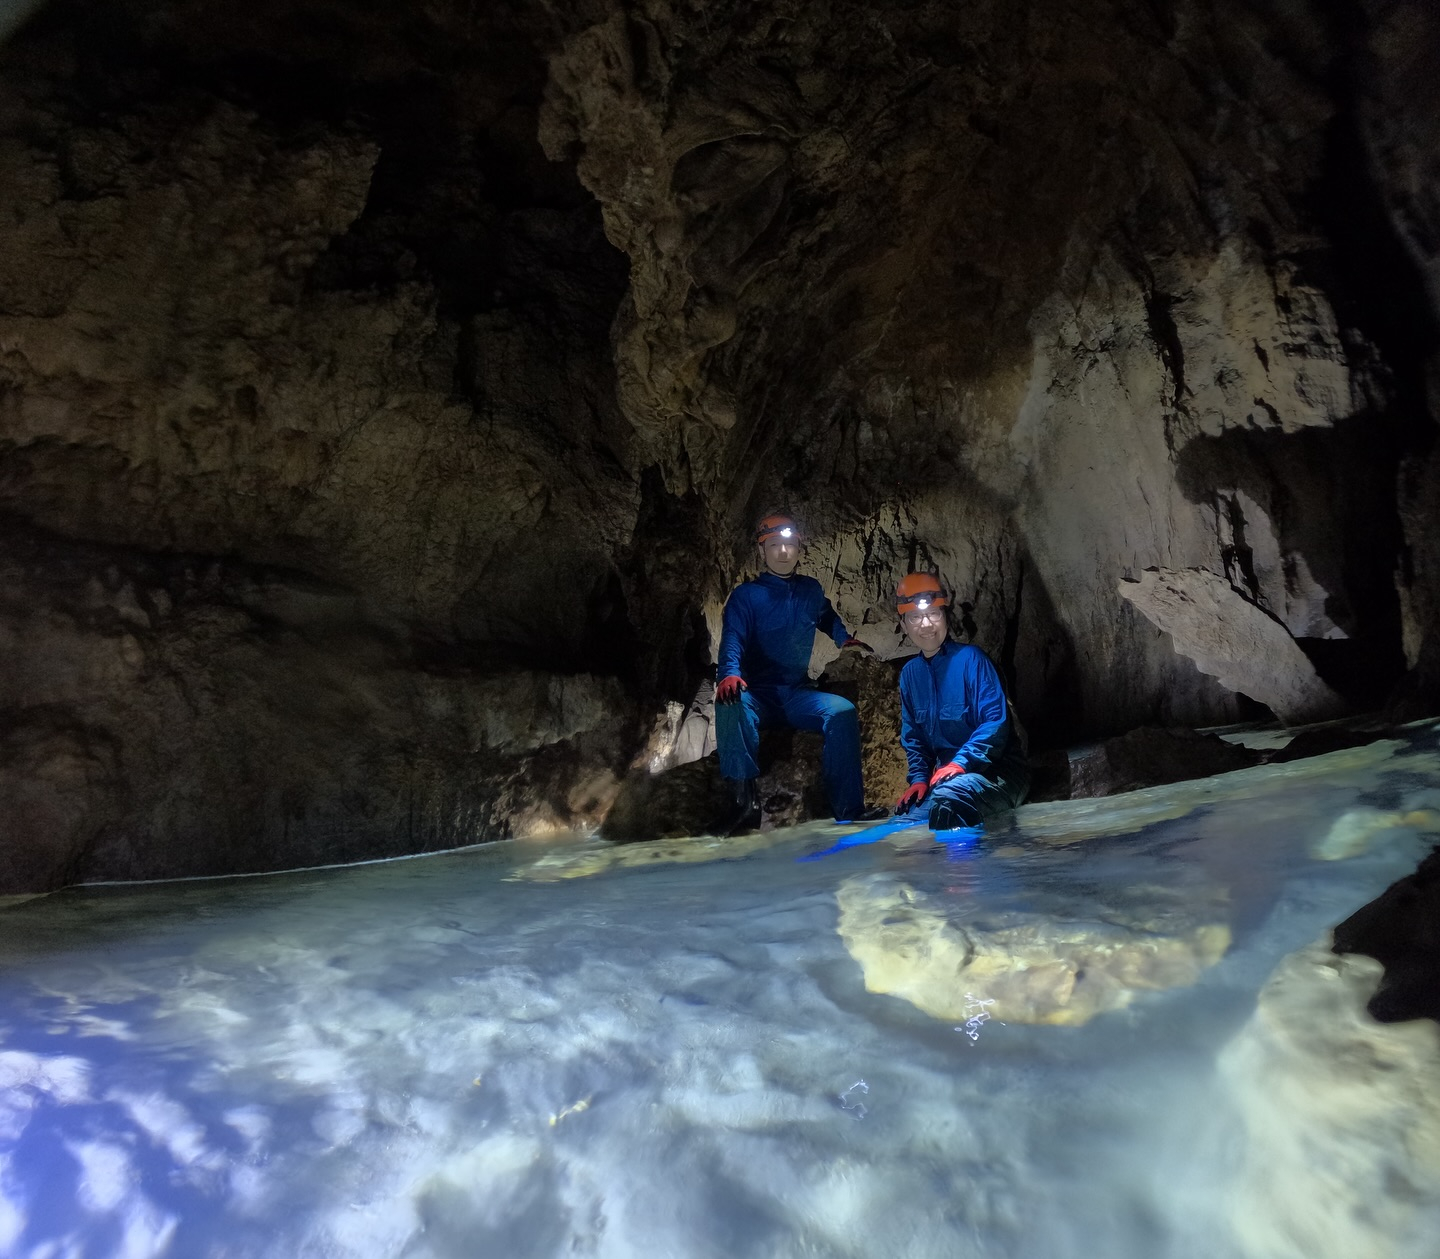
{"points": [[918, 591], [777, 526]]}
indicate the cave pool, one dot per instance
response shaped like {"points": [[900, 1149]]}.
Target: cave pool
{"points": [[473, 1054]]}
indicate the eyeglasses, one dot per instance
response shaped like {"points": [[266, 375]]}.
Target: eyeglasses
{"points": [[919, 616]]}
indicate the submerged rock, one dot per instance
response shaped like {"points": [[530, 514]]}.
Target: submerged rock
{"points": [[596, 858], [1341, 1116], [1355, 830], [1036, 968]]}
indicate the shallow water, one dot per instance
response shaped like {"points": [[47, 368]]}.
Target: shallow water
{"points": [[430, 1058]]}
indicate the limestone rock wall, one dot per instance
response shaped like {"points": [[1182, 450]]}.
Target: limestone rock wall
{"points": [[496, 327], [1095, 330], [171, 715]]}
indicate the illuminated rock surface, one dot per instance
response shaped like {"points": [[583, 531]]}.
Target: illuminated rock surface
{"points": [[1341, 1118], [595, 858], [1035, 969]]}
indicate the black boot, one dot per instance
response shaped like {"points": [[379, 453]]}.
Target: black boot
{"points": [[872, 814], [742, 807], [949, 815]]}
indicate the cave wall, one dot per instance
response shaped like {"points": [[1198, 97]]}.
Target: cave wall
{"points": [[323, 364], [1041, 295], [385, 397]]}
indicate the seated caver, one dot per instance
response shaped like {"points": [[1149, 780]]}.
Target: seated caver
{"points": [[764, 669], [962, 744]]}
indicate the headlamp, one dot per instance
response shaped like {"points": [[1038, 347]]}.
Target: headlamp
{"points": [[778, 526], [920, 592]]}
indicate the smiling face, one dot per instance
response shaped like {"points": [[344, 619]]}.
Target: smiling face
{"points": [[780, 555], [927, 629]]}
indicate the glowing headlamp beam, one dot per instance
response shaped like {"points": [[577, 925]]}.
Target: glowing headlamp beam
{"points": [[787, 533]]}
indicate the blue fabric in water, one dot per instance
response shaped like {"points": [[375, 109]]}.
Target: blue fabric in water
{"points": [[870, 835], [971, 798], [953, 709]]}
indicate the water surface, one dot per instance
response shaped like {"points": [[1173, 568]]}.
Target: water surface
{"points": [[433, 1057]]}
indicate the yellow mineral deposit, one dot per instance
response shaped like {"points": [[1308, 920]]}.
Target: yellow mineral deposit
{"points": [[1036, 969], [574, 1108]]}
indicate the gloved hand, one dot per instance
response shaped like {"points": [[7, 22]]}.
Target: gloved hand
{"points": [[728, 690], [911, 796], [946, 771], [852, 641]]}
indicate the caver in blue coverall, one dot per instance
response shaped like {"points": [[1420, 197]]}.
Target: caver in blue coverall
{"points": [[953, 709], [768, 635]]}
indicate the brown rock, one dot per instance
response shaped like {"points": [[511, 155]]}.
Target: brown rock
{"points": [[685, 800], [1232, 639], [1150, 757]]}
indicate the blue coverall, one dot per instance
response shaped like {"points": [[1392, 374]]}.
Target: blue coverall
{"points": [[953, 708], [768, 635]]}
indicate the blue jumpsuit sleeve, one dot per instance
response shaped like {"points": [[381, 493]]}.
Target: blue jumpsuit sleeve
{"points": [[992, 731], [830, 624], [912, 739], [734, 633]]}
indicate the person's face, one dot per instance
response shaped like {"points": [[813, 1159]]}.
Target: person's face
{"points": [[927, 629], [780, 555]]}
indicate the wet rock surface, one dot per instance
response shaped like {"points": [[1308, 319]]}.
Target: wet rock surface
{"points": [[1149, 758], [1401, 930], [499, 325], [1343, 1125], [944, 956]]}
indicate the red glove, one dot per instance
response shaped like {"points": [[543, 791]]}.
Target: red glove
{"points": [[946, 771], [728, 691], [852, 641], [911, 796]]}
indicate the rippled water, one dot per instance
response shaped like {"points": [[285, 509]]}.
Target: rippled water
{"points": [[435, 1057]]}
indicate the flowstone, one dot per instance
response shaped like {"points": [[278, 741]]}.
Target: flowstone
{"points": [[1035, 968], [1342, 1118]]}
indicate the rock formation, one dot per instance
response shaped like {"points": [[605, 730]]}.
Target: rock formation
{"points": [[1400, 929], [1150, 758], [1035, 968], [384, 397], [1342, 1122], [1234, 640]]}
